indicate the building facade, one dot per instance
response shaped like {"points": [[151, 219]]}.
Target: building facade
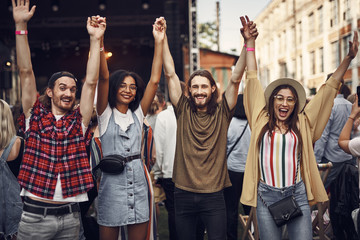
{"points": [[306, 40]]}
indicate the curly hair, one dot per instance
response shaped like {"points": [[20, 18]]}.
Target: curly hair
{"points": [[116, 79]]}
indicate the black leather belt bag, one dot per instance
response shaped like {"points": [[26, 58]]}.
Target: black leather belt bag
{"points": [[114, 164]]}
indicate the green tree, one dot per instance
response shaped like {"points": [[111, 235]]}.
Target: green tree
{"points": [[208, 35]]}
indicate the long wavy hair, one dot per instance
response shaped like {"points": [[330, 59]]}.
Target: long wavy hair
{"points": [[212, 104], [291, 121], [7, 127], [117, 78]]}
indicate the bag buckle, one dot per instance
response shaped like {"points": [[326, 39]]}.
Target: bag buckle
{"points": [[286, 216]]}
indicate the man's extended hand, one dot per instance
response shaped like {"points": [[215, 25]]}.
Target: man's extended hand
{"points": [[246, 30], [159, 28], [21, 11], [96, 26], [354, 46]]}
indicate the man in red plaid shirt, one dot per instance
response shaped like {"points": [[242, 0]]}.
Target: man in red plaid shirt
{"points": [[55, 173]]}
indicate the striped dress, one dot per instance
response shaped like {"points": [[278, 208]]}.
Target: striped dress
{"points": [[278, 159]]}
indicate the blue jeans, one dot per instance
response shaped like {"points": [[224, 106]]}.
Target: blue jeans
{"points": [[299, 228], [191, 207], [35, 226]]}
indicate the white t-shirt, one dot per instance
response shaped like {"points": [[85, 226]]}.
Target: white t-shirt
{"points": [[124, 120], [354, 146], [58, 197]]}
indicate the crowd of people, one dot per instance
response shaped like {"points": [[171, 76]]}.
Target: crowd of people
{"points": [[203, 154]]}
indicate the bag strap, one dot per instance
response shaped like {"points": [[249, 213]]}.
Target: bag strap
{"points": [[232, 147], [7, 150], [294, 185]]}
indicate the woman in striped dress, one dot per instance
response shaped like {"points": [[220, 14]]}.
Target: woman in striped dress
{"points": [[281, 154]]}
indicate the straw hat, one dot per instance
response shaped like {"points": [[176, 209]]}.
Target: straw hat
{"points": [[287, 81]]}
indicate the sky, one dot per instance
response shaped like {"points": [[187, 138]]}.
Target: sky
{"points": [[230, 11]]}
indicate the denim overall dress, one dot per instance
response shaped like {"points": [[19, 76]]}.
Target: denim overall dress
{"points": [[10, 200], [123, 198]]}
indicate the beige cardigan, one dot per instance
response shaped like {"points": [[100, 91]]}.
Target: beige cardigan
{"points": [[312, 121]]}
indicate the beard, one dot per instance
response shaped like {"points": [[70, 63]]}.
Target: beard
{"points": [[197, 104], [57, 101]]}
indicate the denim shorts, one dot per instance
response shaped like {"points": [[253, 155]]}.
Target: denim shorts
{"points": [[298, 228]]}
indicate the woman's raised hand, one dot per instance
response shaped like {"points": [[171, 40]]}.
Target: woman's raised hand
{"points": [[21, 12], [159, 29]]}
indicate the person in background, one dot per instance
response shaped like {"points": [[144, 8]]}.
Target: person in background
{"points": [[281, 159], [238, 140], [11, 153], [157, 105], [326, 149], [123, 198], [351, 145]]}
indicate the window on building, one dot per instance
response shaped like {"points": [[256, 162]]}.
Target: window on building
{"points": [[321, 59], [300, 74], [334, 13], [320, 20], [280, 39], [312, 63], [292, 34], [299, 32], [283, 46], [292, 74], [345, 46], [283, 69], [335, 61], [311, 25], [346, 13]]}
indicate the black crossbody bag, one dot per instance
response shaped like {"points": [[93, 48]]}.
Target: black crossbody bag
{"points": [[114, 164], [287, 208], [237, 140]]}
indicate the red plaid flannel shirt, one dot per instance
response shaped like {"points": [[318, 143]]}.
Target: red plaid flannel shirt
{"points": [[51, 148]]}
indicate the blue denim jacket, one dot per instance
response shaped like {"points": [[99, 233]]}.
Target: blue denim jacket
{"points": [[10, 200]]}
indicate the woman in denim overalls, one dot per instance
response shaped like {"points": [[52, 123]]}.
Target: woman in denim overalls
{"points": [[122, 104], [10, 154]]}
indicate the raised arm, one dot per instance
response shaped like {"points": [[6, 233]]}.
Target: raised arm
{"points": [[250, 43], [156, 68], [103, 86], [172, 79], [96, 32], [344, 137], [22, 15], [233, 87]]}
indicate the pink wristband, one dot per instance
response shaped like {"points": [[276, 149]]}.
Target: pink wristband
{"points": [[245, 45], [250, 49], [21, 32]]}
